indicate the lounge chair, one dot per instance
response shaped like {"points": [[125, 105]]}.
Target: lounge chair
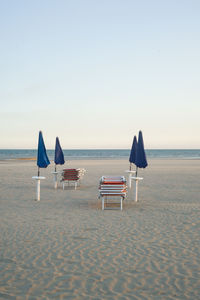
{"points": [[112, 187], [72, 176]]}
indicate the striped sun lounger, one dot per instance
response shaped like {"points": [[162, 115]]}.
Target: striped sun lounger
{"points": [[72, 176], [112, 191]]}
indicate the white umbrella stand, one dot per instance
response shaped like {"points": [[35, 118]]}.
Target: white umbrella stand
{"points": [[55, 179], [38, 178], [136, 179], [130, 173]]}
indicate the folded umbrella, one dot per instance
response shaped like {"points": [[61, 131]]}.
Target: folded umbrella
{"points": [[140, 159], [59, 156], [42, 158], [42, 162], [132, 156]]}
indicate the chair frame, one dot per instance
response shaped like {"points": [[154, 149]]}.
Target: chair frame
{"points": [[112, 186], [75, 177]]}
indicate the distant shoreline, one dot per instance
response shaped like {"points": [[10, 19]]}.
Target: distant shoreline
{"points": [[25, 159], [99, 154]]}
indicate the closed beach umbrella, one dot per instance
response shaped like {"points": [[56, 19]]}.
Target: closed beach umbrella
{"points": [[42, 158], [42, 162], [132, 157], [59, 156], [140, 160]]}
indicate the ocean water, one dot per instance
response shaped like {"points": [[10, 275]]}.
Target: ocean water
{"points": [[102, 153]]}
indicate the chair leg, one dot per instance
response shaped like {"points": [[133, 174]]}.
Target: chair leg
{"points": [[121, 203]]}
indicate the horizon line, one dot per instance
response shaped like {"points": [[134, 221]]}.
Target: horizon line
{"points": [[52, 149]]}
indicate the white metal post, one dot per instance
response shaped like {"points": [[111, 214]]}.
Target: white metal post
{"points": [[37, 178], [38, 190], [55, 181], [129, 180], [136, 190], [130, 177], [136, 186]]}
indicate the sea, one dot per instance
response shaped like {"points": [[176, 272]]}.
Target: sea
{"points": [[7, 154]]}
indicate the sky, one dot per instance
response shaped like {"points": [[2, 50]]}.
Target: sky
{"points": [[95, 72]]}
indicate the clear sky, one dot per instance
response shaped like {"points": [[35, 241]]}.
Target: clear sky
{"points": [[95, 72]]}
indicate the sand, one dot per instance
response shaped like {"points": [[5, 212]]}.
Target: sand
{"points": [[66, 247]]}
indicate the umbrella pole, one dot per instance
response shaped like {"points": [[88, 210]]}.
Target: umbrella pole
{"points": [[136, 187], [129, 179], [38, 186], [55, 179], [136, 171], [136, 190], [38, 190]]}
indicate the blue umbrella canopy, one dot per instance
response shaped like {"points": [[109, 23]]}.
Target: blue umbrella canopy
{"points": [[59, 156], [42, 158], [140, 161], [133, 151]]}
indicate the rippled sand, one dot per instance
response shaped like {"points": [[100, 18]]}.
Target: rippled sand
{"points": [[65, 247]]}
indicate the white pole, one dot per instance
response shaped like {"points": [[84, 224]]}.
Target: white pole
{"points": [[130, 180], [130, 177], [136, 190], [37, 178], [38, 190], [136, 186], [55, 181]]}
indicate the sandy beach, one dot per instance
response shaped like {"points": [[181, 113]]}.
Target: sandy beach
{"points": [[66, 247]]}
